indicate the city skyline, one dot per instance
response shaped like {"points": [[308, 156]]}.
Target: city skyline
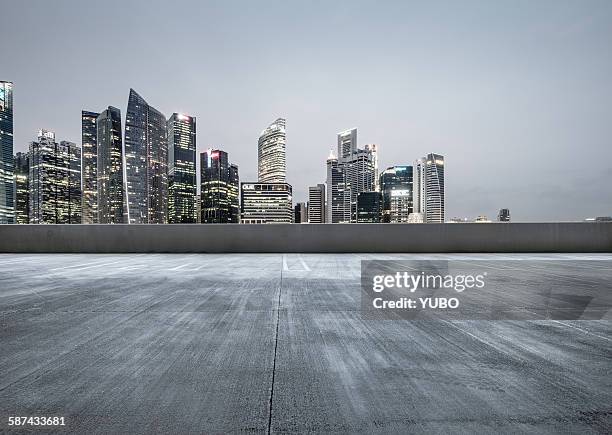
{"points": [[495, 107]]}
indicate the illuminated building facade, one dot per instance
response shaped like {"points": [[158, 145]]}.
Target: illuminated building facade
{"points": [[54, 181], [89, 165], [271, 161], [7, 182], [110, 169], [146, 162], [369, 207], [396, 189], [266, 203], [182, 187], [219, 185], [22, 193]]}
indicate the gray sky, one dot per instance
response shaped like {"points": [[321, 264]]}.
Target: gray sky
{"points": [[515, 94]]}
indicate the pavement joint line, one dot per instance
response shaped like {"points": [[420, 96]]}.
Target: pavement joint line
{"points": [[280, 289]]}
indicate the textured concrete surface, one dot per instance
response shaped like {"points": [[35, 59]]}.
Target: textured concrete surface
{"points": [[162, 343], [314, 238]]}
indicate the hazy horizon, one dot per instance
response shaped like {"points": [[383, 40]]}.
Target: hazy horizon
{"points": [[515, 95]]}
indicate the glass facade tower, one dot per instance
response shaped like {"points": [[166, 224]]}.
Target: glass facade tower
{"points": [[219, 185], [110, 169], [54, 181], [396, 188], [7, 182], [271, 161], [434, 188], [89, 165], [146, 162], [182, 187], [22, 193]]}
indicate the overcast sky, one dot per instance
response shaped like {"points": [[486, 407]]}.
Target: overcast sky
{"points": [[516, 95]]}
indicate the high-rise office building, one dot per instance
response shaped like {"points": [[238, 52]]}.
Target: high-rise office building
{"points": [[219, 186], [503, 215], [354, 172], [266, 203], [347, 143], [396, 189], [434, 188], [338, 195], [270, 199], [22, 193], [7, 181], [373, 150], [369, 207], [359, 177], [316, 204], [182, 188], [110, 168], [89, 165], [72, 152], [271, 162], [418, 186], [300, 215], [54, 181], [146, 162]]}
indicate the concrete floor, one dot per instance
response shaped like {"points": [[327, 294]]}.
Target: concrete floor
{"points": [[196, 343]]}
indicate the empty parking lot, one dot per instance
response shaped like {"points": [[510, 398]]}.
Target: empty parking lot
{"points": [[196, 343]]}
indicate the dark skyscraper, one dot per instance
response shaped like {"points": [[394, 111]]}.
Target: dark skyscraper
{"points": [[89, 165], [7, 183], [503, 215], [146, 161], [22, 194], [219, 188], [300, 213], [110, 187], [182, 188], [369, 207], [396, 188]]}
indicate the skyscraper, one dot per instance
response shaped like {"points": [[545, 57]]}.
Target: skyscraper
{"points": [[182, 187], [418, 191], [373, 150], [7, 182], [54, 181], [266, 203], [316, 204], [89, 165], [503, 215], [347, 143], [110, 169], [300, 215], [146, 162], [271, 153], [369, 207], [219, 185], [396, 188], [338, 195], [354, 172], [72, 152], [270, 199], [22, 193], [434, 188]]}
